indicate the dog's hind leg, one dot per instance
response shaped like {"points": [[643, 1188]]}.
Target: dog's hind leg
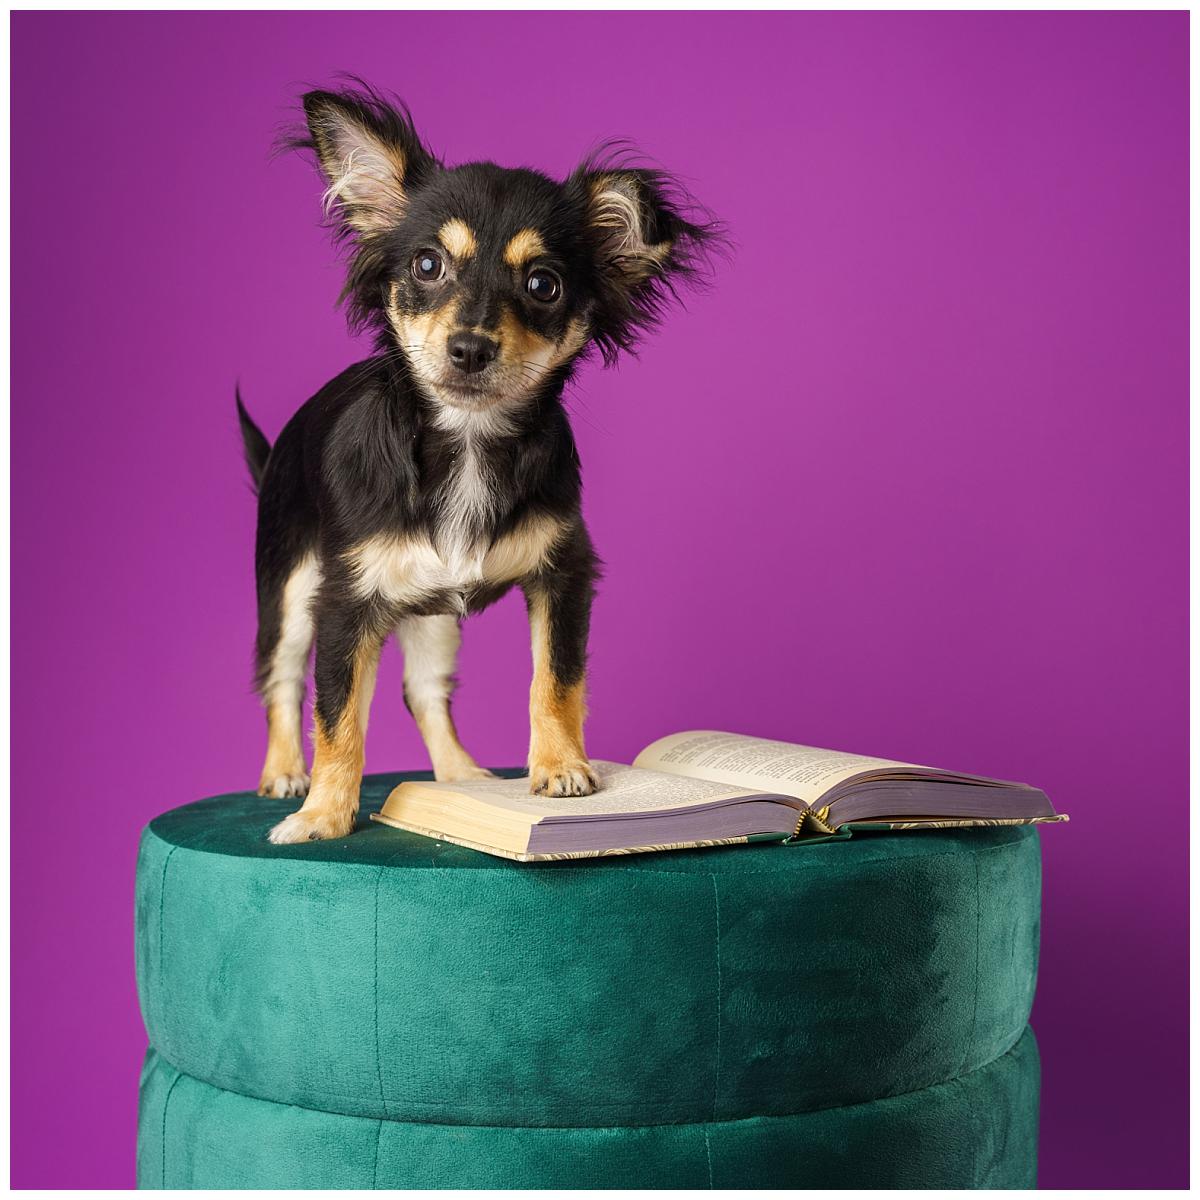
{"points": [[430, 646], [285, 637]]}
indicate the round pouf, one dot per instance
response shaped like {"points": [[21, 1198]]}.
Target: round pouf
{"points": [[388, 1011]]}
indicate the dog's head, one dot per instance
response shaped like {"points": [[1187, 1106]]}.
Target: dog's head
{"points": [[492, 282]]}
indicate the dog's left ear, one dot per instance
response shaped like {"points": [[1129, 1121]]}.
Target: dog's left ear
{"points": [[644, 238], [632, 225]]}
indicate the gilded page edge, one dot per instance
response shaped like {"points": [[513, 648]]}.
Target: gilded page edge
{"points": [[574, 854]]}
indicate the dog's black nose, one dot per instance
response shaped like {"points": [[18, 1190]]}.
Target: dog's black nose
{"points": [[471, 352]]}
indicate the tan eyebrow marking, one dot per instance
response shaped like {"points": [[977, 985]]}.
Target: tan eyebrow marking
{"points": [[457, 237], [523, 246]]}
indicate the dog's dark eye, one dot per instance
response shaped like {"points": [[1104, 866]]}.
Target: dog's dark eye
{"points": [[427, 266], [543, 285]]}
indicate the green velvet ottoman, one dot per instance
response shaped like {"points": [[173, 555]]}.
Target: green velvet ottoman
{"points": [[390, 1011]]}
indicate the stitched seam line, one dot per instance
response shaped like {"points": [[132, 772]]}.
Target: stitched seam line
{"points": [[162, 901], [234, 1084], [378, 1054], [977, 1136], [969, 1050], [708, 1155], [375, 1168], [166, 1105], [783, 1116], [717, 1069]]}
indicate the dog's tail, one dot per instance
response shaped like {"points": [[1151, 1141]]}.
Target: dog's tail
{"points": [[254, 442]]}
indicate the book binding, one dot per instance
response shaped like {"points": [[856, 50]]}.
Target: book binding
{"points": [[812, 820]]}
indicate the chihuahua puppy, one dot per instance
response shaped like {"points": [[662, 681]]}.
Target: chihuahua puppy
{"points": [[422, 484]]}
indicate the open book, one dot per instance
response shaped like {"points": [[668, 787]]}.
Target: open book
{"points": [[709, 789]]}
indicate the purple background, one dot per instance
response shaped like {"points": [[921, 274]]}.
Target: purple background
{"points": [[910, 481]]}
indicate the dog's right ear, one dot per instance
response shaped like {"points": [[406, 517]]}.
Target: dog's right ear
{"points": [[369, 153]]}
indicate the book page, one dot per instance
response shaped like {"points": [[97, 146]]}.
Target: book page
{"points": [[622, 790], [804, 772]]}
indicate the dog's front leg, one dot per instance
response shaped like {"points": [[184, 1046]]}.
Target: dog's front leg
{"points": [[346, 663], [430, 645], [559, 611]]}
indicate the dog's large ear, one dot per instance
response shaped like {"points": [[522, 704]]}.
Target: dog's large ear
{"points": [[645, 236], [369, 153]]}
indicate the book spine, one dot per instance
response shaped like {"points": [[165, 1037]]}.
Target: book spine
{"points": [[812, 820]]}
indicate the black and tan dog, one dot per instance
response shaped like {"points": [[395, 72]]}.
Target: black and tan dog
{"points": [[422, 484]]}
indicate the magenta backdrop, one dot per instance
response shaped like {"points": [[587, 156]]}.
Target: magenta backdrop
{"points": [[911, 480]]}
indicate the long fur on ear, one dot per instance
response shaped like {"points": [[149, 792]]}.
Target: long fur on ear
{"points": [[370, 156], [647, 234]]}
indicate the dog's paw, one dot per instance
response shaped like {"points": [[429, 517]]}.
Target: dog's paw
{"points": [[284, 785], [462, 774], [574, 777], [316, 825]]}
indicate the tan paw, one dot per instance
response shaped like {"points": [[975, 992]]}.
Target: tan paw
{"points": [[573, 777], [313, 825], [461, 773], [284, 784]]}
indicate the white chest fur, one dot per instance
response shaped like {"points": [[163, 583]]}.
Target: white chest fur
{"points": [[409, 570]]}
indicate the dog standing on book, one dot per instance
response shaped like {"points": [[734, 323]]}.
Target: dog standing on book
{"points": [[422, 484]]}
